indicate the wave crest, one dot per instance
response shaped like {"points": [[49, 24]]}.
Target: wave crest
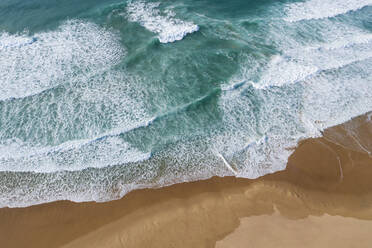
{"points": [[168, 28]]}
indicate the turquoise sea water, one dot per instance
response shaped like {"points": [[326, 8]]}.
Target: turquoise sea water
{"points": [[98, 98]]}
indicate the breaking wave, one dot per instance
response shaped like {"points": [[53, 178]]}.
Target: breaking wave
{"points": [[73, 52], [163, 23]]}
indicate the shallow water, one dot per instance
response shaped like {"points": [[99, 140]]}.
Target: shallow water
{"points": [[100, 98]]}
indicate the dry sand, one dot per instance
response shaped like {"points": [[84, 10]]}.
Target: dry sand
{"points": [[322, 199]]}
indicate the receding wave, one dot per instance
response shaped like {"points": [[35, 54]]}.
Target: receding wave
{"points": [[168, 28], [318, 9]]}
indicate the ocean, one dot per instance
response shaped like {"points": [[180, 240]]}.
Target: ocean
{"points": [[99, 98]]}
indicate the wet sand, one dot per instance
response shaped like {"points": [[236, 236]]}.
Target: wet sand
{"points": [[322, 199]]}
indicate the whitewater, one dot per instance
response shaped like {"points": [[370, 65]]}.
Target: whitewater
{"points": [[99, 99]]}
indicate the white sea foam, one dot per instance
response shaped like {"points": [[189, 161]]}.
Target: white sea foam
{"points": [[264, 130], [165, 24], [113, 96], [305, 62], [333, 98], [318, 9], [261, 125], [282, 71], [72, 52], [318, 84], [96, 101], [355, 38], [18, 156]]}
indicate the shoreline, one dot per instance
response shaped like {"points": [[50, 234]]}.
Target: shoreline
{"points": [[327, 180]]}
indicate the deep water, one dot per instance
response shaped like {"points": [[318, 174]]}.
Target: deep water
{"points": [[98, 98]]}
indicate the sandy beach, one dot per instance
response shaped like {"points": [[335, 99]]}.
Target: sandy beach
{"points": [[322, 199]]}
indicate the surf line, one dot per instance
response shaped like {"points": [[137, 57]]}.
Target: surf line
{"points": [[227, 164]]}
